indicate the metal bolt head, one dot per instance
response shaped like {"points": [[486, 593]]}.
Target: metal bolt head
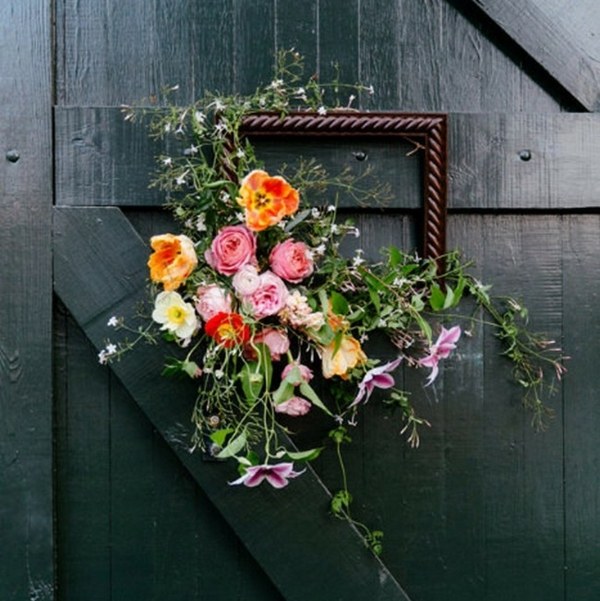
{"points": [[525, 155], [360, 155], [13, 156]]}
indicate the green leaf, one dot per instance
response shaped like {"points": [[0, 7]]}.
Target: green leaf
{"points": [[339, 304], [284, 392], [304, 455], [234, 447], [300, 217], [219, 436], [311, 395], [266, 366], [436, 298], [324, 335], [252, 381], [395, 256]]}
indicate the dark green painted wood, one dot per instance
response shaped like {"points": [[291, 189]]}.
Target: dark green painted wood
{"points": [[102, 160], [103, 239], [581, 249], [26, 570], [559, 36], [132, 522]]}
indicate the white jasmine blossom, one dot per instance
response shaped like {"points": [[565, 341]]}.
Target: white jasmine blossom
{"points": [[200, 117], [113, 322], [322, 110], [181, 179], [167, 161], [330, 208]]}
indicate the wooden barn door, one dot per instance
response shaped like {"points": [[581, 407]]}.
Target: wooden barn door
{"points": [[100, 498]]}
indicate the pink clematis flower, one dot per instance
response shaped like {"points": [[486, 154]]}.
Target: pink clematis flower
{"points": [[276, 475], [441, 349], [378, 377]]}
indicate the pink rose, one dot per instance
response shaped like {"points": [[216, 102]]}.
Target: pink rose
{"points": [[233, 247], [270, 296], [291, 261], [305, 372], [211, 300], [277, 342], [294, 407]]}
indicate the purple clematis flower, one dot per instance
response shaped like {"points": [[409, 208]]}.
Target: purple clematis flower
{"points": [[276, 475], [441, 349], [378, 377]]}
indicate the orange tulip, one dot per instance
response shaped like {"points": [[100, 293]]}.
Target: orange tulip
{"points": [[340, 362], [266, 200], [172, 261]]}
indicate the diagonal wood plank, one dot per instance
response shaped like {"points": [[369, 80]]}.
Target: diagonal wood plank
{"points": [[99, 269], [555, 40]]}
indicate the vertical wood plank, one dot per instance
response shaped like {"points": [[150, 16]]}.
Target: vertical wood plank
{"points": [[254, 47], [582, 410], [83, 476], [523, 487], [298, 33], [26, 569]]}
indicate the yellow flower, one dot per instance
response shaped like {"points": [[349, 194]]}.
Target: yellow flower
{"points": [[340, 362], [266, 200], [172, 261]]}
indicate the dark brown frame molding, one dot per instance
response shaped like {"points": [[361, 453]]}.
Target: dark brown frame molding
{"points": [[428, 129]]}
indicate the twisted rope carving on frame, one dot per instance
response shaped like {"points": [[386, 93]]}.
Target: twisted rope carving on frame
{"points": [[429, 129]]}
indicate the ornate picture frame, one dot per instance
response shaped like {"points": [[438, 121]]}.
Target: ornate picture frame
{"points": [[429, 130]]}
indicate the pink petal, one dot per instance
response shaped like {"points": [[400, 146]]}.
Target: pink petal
{"points": [[429, 361], [255, 476], [276, 480], [382, 381], [433, 375]]}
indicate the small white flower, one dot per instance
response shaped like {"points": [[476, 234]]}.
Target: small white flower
{"points": [[219, 373], [179, 129], [300, 91], [276, 84], [320, 250], [315, 213], [351, 99], [167, 127], [102, 358], [192, 150], [218, 104], [262, 101], [335, 228], [111, 349], [358, 260], [240, 154], [330, 208], [201, 223], [371, 90], [180, 180], [167, 161], [355, 232], [199, 116], [113, 322], [381, 323], [322, 110]]}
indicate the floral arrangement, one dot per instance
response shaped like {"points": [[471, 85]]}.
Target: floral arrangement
{"points": [[258, 296]]}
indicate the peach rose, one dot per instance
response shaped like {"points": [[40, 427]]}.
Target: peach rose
{"points": [[233, 247], [173, 260], [340, 362], [291, 261], [212, 299], [266, 200]]}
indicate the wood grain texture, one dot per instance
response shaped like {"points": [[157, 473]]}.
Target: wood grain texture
{"points": [[102, 160], [80, 234], [131, 519], [26, 570], [581, 250], [524, 161], [427, 56], [557, 36]]}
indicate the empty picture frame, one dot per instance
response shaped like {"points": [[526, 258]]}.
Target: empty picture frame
{"points": [[429, 130]]}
